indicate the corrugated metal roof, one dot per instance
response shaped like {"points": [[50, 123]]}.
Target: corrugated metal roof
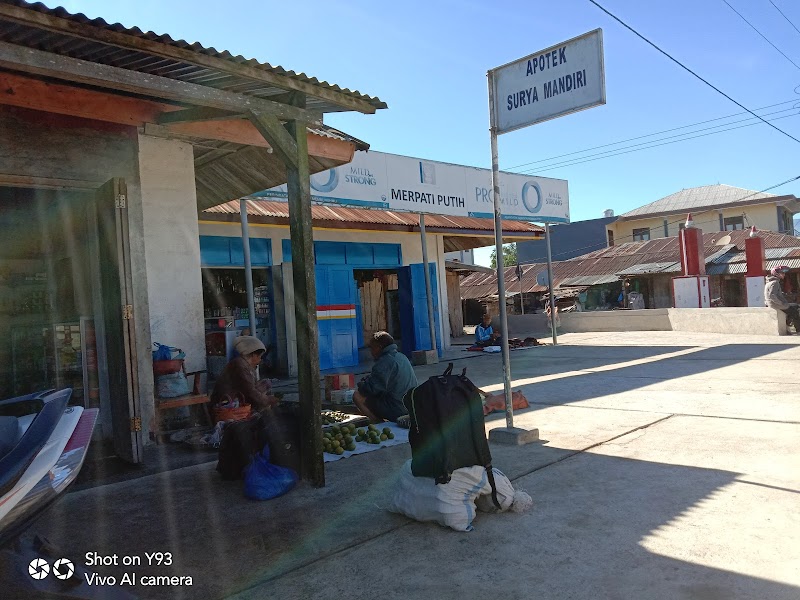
{"points": [[650, 268], [734, 268], [692, 199], [273, 210], [98, 41], [588, 280]]}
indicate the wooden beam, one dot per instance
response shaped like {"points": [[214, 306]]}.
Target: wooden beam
{"points": [[25, 181], [47, 64], [124, 40], [63, 99], [198, 113], [305, 304], [284, 144]]}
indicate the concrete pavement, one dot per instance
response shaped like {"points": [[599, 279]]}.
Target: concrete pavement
{"points": [[671, 470]]}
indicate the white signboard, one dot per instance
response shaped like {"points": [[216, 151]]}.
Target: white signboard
{"points": [[552, 83], [403, 183]]}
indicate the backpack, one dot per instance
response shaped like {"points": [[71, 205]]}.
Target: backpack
{"points": [[447, 428], [278, 427]]}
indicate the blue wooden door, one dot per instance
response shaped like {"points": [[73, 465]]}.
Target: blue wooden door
{"points": [[414, 308], [336, 316]]}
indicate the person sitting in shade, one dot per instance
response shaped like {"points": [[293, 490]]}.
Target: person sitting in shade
{"points": [[485, 334], [238, 380], [380, 394]]}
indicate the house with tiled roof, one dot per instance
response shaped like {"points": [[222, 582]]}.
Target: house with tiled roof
{"points": [[717, 207]]}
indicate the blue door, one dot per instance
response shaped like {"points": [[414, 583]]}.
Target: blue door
{"points": [[336, 316], [414, 308]]}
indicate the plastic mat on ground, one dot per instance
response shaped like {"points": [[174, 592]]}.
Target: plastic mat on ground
{"points": [[400, 437]]}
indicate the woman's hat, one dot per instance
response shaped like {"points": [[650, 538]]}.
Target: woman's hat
{"points": [[247, 344]]}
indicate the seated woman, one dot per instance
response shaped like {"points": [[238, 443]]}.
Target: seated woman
{"points": [[380, 395], [484, 334], [238, 379]]}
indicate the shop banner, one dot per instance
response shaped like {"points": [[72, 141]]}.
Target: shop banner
{"points": [[551, 83], [403, 183]]}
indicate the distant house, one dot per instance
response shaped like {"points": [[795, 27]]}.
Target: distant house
{"points": [[643, 267], [567, 241], [714, 208]]}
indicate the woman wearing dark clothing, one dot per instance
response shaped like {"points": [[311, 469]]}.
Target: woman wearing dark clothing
{"points": [[238, 379]]}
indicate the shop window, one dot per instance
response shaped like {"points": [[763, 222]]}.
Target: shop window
{"points": [[733, 223], [641, 235]]}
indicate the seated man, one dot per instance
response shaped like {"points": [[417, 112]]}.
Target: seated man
{"points": [[380, 394], [484, 334], [775, 298]]}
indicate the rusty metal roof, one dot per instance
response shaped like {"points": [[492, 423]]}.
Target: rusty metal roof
{"points": [[273, 211], [76, 35], [639, 258]]}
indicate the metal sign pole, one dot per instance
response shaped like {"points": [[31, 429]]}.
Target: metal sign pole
{"points": [[428, 287], [498, 238], [248, 269], [521, 289], [550, 284]]}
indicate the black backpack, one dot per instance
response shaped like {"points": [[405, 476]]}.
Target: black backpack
{"points": [[278, 427], [447, 428]]}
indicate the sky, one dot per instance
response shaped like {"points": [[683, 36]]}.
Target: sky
{"points": [[428, 62]]}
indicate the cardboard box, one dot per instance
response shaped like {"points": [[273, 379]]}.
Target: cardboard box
{"points": [[341, 381], [342, 396]]}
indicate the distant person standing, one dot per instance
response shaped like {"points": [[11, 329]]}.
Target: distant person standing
{"points": [[776, 299]]}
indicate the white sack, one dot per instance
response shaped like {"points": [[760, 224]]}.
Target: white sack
{"points": [[451, 504]]}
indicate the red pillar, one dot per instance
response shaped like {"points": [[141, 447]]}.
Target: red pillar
{"points": [[693, 260], [756, 258]]}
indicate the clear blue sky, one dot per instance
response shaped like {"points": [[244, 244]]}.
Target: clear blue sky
{"points": [[428, 61]]}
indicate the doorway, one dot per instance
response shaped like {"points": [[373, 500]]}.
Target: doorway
{"points": [[65, 303], [378, 304]]}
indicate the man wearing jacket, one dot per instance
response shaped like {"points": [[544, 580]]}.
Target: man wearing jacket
{"points": [[776, 299], [380, 395]]}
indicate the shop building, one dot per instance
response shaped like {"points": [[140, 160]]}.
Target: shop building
{"points": [[111, 143], [368, 267]]}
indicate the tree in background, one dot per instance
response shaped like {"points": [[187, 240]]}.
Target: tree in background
{"points": [[509, 256]]}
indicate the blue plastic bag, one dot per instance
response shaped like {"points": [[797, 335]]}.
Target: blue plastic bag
{"points": [[163, 352], [263, 480]]}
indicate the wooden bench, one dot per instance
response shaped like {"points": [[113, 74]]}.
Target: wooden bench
{"points": [[194, 398]]}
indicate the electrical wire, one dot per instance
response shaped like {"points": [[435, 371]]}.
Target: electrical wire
{"points": [[761, 34], [680, 64], [651, 134], [620, 151], [784, 16]]}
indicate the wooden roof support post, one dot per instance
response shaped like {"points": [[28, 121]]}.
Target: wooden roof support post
{"points": [[290, 142]]}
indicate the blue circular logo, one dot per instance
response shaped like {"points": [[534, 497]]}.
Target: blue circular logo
{"points": [[329, 185], [532, 196]]}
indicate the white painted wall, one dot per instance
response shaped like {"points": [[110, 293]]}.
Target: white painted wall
{"points": [[172, 246]]}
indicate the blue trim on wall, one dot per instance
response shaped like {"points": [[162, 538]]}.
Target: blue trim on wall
{"points": [[355, 254], [220, 251]]}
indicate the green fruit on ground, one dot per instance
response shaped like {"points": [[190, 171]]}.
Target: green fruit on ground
{"points": [[390, 435], [384, 437], [348, 439], [361, 432], [336, 444], [359, 438], [387, 431], [351, 447], [339, 450], [336, 429], [372, 427]]}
